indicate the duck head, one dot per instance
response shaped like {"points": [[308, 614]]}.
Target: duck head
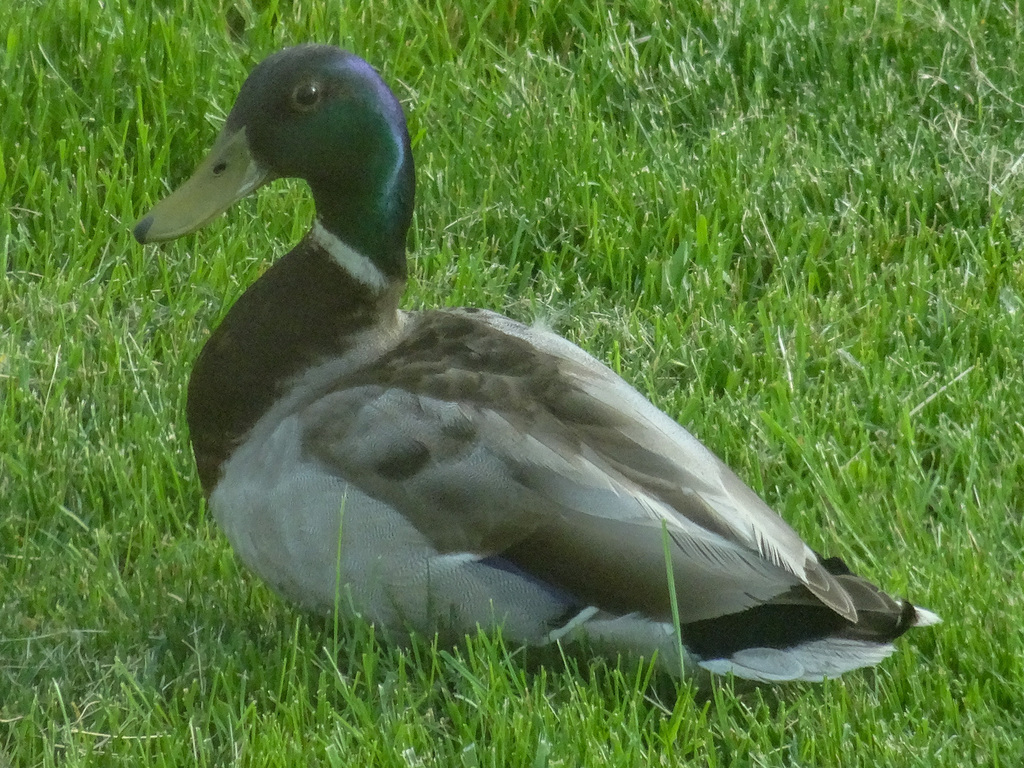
{"points": [[317, 113]]}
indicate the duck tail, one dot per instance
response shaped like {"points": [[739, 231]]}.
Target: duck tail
{"points": [[791, 638]]}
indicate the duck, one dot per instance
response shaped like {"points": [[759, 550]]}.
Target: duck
{"points": [[447, 471]]}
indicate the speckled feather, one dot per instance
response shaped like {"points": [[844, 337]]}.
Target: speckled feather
{"points": [[494, 443]]}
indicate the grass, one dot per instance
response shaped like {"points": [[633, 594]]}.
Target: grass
{"points": [[796, 226]]}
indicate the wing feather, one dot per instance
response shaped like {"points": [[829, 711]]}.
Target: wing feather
{"points": [[494, 438]]}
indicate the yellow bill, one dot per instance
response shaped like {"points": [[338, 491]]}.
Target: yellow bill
{"points": [[229, 173]]}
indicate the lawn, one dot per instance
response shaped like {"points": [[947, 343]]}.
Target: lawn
{"points": [[797, 227]]}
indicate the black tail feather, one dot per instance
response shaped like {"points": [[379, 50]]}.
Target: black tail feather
{"points": [[797, 616]]}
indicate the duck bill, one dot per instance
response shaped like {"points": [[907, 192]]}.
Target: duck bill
{"points": [[229, 173]]}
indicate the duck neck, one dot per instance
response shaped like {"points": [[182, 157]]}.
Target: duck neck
{"points": [[370, 211]]}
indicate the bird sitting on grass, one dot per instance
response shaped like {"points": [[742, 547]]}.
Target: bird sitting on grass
{"points": [[452, 469]]}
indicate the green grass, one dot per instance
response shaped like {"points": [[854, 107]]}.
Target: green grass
{"points": [[796, 226]]}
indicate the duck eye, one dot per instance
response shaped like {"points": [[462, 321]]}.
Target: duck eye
{"points": [[306, 96]]}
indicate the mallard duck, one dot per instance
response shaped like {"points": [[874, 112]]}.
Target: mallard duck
{"points": [[449, 470]]}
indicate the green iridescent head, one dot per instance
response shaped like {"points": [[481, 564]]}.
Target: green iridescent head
{"points": [[317, 113]]}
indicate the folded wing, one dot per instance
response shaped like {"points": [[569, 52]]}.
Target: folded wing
{"points": [[495, 439]]}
